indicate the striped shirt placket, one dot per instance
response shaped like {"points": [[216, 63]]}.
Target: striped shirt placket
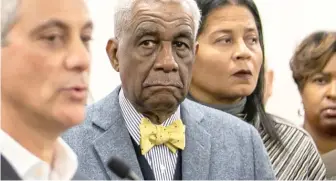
{"points": [[161, 160]]}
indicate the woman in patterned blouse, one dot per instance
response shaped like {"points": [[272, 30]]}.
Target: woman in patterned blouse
{"points": [[229, 75], [314, 71]]}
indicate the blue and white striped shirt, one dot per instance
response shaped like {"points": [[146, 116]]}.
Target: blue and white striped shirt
{"points": [[161, 160]]}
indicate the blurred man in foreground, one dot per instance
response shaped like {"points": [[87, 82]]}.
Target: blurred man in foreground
{"points": [[45, 64]]}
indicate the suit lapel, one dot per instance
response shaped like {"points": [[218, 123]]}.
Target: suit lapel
{"points": [[79, 176], [7, 171], [196, 155], [115, 140]]}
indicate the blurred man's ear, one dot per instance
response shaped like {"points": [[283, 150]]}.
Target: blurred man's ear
{"points": [[269, 75]]}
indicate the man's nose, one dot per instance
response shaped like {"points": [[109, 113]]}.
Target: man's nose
{"points": [[165, 60], [79, 57]]}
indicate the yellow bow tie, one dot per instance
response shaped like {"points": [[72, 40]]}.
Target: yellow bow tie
{"points": [[172, 136]]}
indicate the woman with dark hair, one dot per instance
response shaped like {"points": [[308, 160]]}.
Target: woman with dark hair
{"points": [[229, 75], [314, 71]]}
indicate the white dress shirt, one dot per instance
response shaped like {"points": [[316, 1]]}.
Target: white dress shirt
{"points": [[30, 167], [161, 160]]}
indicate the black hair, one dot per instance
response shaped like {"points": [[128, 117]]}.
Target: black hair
{"points": [[254, 108]]}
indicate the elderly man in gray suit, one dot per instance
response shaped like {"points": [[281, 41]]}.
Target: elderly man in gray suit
{"points": [[147, 122]]}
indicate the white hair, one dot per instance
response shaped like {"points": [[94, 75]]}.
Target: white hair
{"points": [[123, 15], [8, 17]]}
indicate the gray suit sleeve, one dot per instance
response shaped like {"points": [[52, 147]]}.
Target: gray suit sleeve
{"points": [[262, 165]]}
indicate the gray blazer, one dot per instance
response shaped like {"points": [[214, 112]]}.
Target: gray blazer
{"points": [[218, 145]]}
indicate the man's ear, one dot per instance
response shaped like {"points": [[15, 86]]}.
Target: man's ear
{"points": [[269, 76], [111, 50], [270, 81]]}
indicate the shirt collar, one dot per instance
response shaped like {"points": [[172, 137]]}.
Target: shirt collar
{"points": [[133, 117], [24, 162], [65, 162]]}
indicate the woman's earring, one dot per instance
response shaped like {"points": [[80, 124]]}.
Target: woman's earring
{"points": [[300, 112]]}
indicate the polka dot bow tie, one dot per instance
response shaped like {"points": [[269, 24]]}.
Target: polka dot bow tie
{"points": [[173, 136]]}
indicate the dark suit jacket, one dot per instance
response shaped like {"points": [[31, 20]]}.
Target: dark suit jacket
{"points": [[8, 172], [218, 145]]}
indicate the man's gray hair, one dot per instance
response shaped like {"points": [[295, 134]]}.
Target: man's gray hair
{"points": [[8, 17], [123, 15]]}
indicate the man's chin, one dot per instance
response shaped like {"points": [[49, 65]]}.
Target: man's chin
{"points": [[71, 116], [162, 102]]}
